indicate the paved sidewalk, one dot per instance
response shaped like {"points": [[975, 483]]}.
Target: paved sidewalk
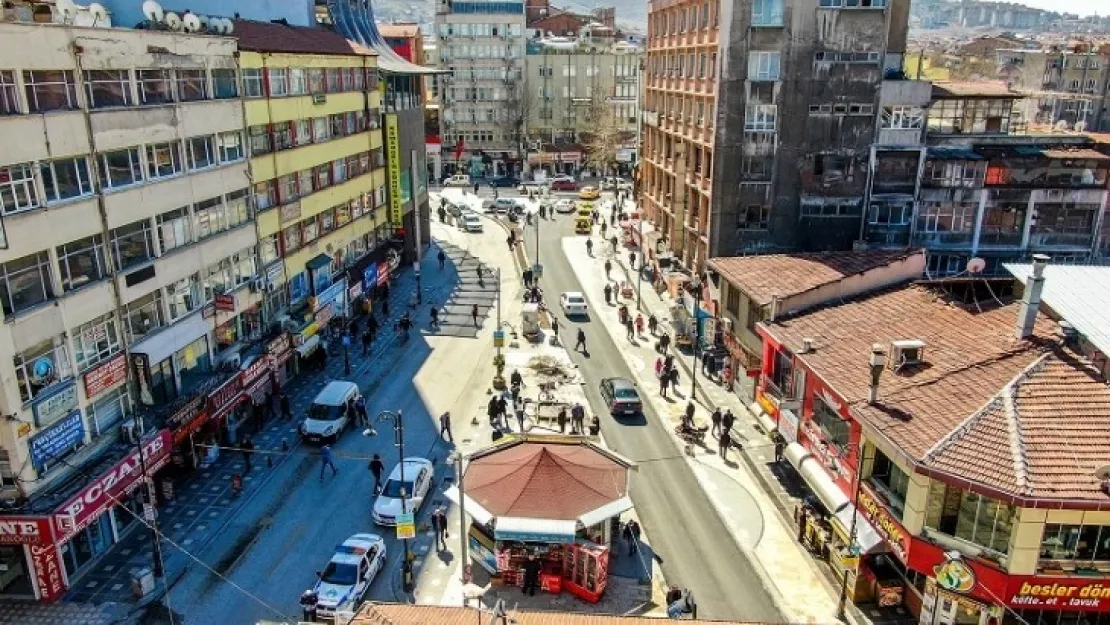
{"points": [[754, 517]]}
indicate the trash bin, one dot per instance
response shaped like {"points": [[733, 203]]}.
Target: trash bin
{"points": [[142, 582]]}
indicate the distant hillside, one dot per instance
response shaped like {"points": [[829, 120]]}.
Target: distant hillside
{"points": [[631, 14]]}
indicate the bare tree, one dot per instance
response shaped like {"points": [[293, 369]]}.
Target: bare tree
{"points": [[518, 108], [603, 136]]}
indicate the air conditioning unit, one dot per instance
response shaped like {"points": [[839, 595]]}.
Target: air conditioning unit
{"points": [[905, 353], [726, 324], [319, 98], [129, 432]]}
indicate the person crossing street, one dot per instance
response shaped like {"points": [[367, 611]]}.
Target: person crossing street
{"points": [[442, 259], [376, 467], [326, 461], [580, 344], [434, 313], [474, 314], [445, 426]]}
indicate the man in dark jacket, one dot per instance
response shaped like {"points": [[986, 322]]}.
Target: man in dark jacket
{"points": [[439, 526], [376, 468], [286, 410], [531, 575]]}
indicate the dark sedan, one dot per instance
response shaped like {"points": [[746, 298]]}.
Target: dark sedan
{"points": [[621, 396], [505, 181]]}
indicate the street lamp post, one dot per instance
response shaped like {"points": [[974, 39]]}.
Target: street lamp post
{"points": [[346, 352], [842, 603], [399, 441], [697, 340], [156, 567]]}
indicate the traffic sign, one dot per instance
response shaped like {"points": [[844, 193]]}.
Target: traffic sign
{"points": [[406, 525]]}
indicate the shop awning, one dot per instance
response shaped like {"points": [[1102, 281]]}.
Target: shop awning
{"points": [[165, 343], [321, 260], [476, 512], [309, 345], [866, 537], [815, 476], [535, 530], [607, 511]]}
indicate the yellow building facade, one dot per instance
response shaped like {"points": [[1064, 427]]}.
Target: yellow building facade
{"points": [[317, 171]]}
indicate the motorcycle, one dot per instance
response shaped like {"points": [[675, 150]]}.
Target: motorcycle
{"points": [[691, 434]]}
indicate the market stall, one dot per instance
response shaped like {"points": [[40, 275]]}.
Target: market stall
{"points": [[545, 504]]}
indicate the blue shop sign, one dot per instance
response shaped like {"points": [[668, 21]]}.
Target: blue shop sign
{"points": [[370, 277], [533, 537], [54, 402], [58, 439], [330, 294]]}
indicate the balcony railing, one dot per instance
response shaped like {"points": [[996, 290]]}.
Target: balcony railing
{"points": [[939, 239], [1001, 239], [1051, 239]]}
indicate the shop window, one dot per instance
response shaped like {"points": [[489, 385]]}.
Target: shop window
{"points": [[1080, 543], [970, 517], [50, 90], [155, 86], [174, 229], [95, 341], [163, 384], [132, 244], [891, 481], [25, 283], [17, 188], [38, 367], [66, 178], [143, 315], [224, 84], [252, 83], [107, 88], [837, 431], [183, 296]]}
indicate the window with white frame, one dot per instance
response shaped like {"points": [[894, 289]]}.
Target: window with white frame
{"points": [[143, 315], [764, 65], [155, 85], [298, 81], [66, 178], [320, 129], [50, 90], [202, 151], [183, 296], [238, 208], [9, 94], [224, 84], [210, 217], [82, 262], [120, 168], [132, 244], [108, 87], [766, 12], [109, 410], [302, 131], [903, 117], [760, 117], [174, 229], [260, 140], [164, 159], [230, 146], [51, 351], [192, 85], [252, 83], [244, 266], [96, 341], [17, 188], [277, 78], [25, 283]]}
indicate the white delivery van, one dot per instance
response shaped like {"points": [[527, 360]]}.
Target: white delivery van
{"points": [[328, 416]]}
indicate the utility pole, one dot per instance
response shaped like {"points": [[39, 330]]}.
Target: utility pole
{"points": [[842, 604], [399, 441], [697, 341]]}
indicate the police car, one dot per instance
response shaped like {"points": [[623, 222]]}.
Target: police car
{"points": [[348, 576]]}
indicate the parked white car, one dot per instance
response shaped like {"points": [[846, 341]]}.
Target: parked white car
{"points": [[418, 481], [344, 581], [471, 222], [564, 206], [458, 180], [573, 303]]}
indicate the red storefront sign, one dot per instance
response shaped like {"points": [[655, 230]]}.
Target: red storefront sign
{"points": [[383, 273], [106, 375], [891, 530], [224, 399], [257, 369], [103, 492], [279, 346], [25, 530], [983, 582], [187, 419], [48, 572]]}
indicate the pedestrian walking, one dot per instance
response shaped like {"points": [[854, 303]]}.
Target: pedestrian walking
{"points": [[653, 324], [531, 575], [475, 188], [705, 358], [527, 278], [445, 426], [555, 327], [632, 260], [481, 280], [492, 410], [604, 227], [286, 410], [474, 314], [326, 461], [434, 313], [658, 367], [716, 419], [247, 447], [725, 442], [688, 418], [518, 407], [668, 362], [630, 328], [613, 242], [577, 419], [664, 342], [581, 342], [561, 419], [503, 411], [674, 380], [780, 447], [632, 535], [712, 367], [608, 290], [664, 382], [608, 268], [511, 241], [590, 247], [360, 410], [439, 526], [442, 259], [726, 377], [376, 467], [727, 420], [639, 324]]}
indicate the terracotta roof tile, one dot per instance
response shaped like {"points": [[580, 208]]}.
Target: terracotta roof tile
{"points": [[762, 277], [545, 480], [405, 614], [275, 37], [399, 30]]}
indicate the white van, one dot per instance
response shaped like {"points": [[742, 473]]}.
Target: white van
{"points": [[328, 416], [458, 180]]}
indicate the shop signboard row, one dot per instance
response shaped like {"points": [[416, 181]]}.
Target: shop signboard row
{"points": [[56, 440], [885, 525], [54, 403], [106, 375]]}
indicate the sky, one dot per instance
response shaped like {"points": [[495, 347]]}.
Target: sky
{"points": [[1081, 7]]}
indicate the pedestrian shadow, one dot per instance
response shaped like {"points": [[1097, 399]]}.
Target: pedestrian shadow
{"points": [[445, 556]]}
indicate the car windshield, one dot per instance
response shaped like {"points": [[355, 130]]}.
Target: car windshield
{"points": [[575, 299], [392, 489], [340, 574], [322, 412], [627, 393]]}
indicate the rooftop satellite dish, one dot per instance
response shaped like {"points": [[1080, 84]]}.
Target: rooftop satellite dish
{"points": [[173, 20], [976, 265], [229, 26], [203, 21], [153, 11], [98, 13], [190, 23], [1103, 473], [66, 8]]}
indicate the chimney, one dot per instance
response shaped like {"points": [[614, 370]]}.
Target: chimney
{"points": [[1031, 298], [774, 308], [876, 364]]}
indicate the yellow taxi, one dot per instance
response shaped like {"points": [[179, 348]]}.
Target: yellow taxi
{"points": [[583, 225], [589, 193], [585, 209]]}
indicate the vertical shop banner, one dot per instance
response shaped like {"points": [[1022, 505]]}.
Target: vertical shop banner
{"points": [[48, 572], [393, 165]]}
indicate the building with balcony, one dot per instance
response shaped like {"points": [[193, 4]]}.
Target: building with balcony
{"points": [[581, 84], [1063, 85], [954, 441], [484, 102], [129, 265], [318, 168], [769, 150]]}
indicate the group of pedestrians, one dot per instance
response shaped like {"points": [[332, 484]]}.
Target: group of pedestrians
{"points": [[667, 374]]}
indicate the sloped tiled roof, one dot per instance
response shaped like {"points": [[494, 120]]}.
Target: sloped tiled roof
{"points": [[406, 614], [762, 277], [399, 30], [289, 39]]}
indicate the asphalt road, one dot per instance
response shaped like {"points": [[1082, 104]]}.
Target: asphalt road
{"points": [[693, 546]]}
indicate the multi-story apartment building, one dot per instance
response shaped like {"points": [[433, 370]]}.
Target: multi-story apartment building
{"points": [[980, 186], [127, 268], [485, 104], [751, 143], [1068, 85], [313, 115], [572, 81]]}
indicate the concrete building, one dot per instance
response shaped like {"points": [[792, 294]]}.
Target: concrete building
{"points": [[313, 114], [760, 142], [485, 103], [569, 78], [1064, 85], [129, 268]]}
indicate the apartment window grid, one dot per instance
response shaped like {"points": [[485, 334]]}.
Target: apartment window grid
{"points": [[903, 117], [53, 349], [25, 283], [155, 86], [767, 13], [50, 90], [760, 117], [96, 341], [66, 179], [82, 262], [192, 85], [108, 88], [132, 244], [120, 168], [9, 94], [290, 187], [144, 315], [164, 160], [764, 65], [18, 192]]}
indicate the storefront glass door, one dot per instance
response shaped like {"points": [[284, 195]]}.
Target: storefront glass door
{"points": [[87, 545]]}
